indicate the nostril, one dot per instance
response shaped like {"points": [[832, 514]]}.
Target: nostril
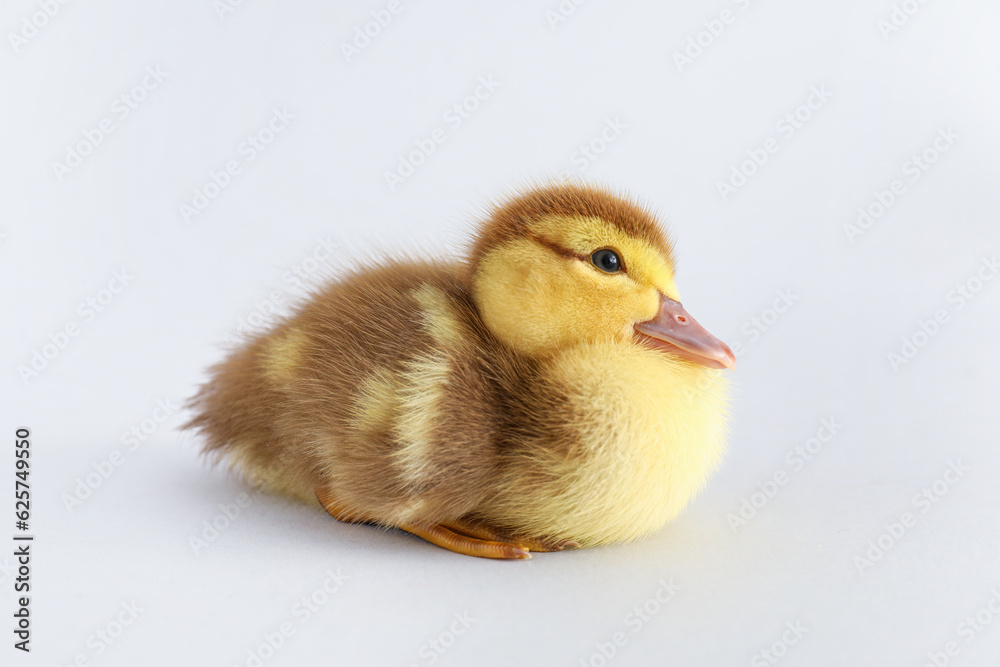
{"points": [[682, 319]]}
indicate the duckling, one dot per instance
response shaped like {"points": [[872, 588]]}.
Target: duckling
{"points": [[548, 392]]}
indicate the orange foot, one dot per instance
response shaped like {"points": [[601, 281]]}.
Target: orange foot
{"points": [[485, 532], [439, 534]]}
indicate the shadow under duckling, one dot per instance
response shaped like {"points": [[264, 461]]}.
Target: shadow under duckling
{"points": [[549, 392]]}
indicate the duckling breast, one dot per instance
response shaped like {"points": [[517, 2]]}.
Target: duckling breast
{"points": [[624, 437]]}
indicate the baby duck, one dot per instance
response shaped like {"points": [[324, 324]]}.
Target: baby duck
{"points": [[548, 392]]}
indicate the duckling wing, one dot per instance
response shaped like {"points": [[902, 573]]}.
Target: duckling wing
{"points": [[377, 389]]}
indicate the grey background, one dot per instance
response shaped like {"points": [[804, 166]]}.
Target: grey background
{"points": [[799, 562]]}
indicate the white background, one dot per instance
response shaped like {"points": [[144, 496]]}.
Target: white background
{"points": [[799, 560]]}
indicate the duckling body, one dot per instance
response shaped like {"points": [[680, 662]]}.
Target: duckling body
{"points": [[507, 404]]}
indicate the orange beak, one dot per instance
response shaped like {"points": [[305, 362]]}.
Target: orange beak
{"points": [[675, 332]]}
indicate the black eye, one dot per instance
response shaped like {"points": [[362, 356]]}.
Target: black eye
{"points": [[607, 260]]}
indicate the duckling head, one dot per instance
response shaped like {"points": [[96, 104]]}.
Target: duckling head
{"points": [[564, 265]]}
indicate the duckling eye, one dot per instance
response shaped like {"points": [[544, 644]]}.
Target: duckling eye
{"points": [[606, 260]]}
